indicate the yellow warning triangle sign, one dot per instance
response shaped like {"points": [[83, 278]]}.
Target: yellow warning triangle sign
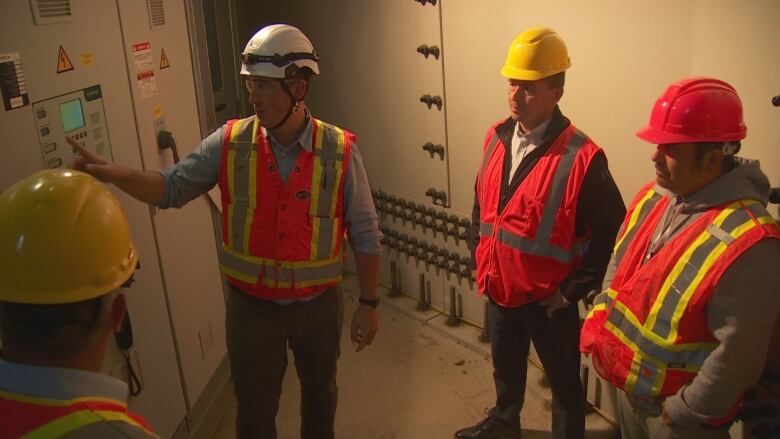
{"points": [[63, 62], [164, 63]]}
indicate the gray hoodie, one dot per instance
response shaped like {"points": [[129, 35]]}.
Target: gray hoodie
{"points": [[742, 311]]}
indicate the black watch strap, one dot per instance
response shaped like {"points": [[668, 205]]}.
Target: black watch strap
{"points": [[373, 303]]}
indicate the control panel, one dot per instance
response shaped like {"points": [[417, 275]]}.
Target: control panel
{"points": [[78, 114]]}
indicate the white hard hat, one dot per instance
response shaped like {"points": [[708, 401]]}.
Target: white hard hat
{"points": [[278, 51]]}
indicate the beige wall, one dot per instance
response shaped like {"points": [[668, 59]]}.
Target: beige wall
{"points": [[623, 56], [740, 43]]}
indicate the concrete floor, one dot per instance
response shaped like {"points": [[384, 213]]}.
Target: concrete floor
{"points": [[419, 379]]}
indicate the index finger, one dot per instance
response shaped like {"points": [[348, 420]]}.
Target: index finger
{"points": [[80, 148]]}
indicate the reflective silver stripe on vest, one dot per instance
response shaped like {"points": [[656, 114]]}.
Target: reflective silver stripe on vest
{"points": [[644, 211], [239, 265], [689, 356], [485, 229], [646, 378], [283, 275], [561, 176], [536, 248], [325, 241], [330, 160], [602, 298], [692, 270], [298, 275], [489, 153], [329, 157], [541, 246], [243, 146]]}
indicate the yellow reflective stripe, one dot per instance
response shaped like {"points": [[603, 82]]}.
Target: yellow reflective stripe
{"points": [[255, 129], [231, 158], [302, 284], [285, 264], [339, 171], [633, 219], [315, 236], [655, 338], [66, 424], [316, 186], [335, 239], [694, 284], [251, 198], [595, 309], [708, 262], [639, 355], [617, 332], [238, 274]]}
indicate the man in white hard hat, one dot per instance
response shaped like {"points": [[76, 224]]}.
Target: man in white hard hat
{"points": [[292, 187], [65, 256]]}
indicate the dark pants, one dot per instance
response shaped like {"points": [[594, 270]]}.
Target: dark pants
{"points": [[556, 341], [258, 335]]}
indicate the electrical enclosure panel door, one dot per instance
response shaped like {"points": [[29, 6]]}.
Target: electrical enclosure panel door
{"points": [[86, 47], [396, 160], [161, 81]]}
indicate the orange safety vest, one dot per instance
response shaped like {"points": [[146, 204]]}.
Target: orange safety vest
{"points": [[527, 250], [282, 240], [33, 418], [648, 333]]}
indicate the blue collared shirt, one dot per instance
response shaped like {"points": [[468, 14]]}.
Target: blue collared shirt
{"points": [[198, 172], [59, 383]]}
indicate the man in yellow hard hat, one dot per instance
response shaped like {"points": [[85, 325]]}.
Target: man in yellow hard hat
{"points": [[546, 213], [65, 255]]}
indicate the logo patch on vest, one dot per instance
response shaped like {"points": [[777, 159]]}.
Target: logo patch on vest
{"points": [[302, 195]]}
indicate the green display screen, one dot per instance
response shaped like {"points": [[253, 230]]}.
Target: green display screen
{"points": [[72, 115]]}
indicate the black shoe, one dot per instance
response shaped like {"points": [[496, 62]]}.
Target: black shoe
{"points": [[490, 428]]}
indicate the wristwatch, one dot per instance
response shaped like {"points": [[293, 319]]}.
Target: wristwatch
{"points": [[373, 303]]}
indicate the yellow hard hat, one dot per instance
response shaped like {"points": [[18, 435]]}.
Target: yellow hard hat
{"points": [[536, 53], [63, 238]]}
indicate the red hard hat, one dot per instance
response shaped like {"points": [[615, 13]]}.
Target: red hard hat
{"points": [[696, 109]]}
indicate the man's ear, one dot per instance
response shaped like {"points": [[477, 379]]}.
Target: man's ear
{"points": [[301, 88], [558, 94]]}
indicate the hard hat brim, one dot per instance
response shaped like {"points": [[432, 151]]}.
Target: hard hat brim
{"points": [[658, 137], [510, 72]]}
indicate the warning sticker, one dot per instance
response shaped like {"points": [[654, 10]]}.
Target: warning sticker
{"points": [[164, 63], [12, 84], [142, 55], [63, 62], [147, 85], [86, 59]]}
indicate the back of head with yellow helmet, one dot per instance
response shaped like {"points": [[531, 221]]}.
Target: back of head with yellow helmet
{"points": [[64, 248], [63, 238], [536, 53]]}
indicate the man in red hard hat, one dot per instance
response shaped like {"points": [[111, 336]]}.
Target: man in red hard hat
{"points": [[689, 301]]}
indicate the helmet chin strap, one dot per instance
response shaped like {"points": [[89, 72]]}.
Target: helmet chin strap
{"points": [[293, 106]]}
